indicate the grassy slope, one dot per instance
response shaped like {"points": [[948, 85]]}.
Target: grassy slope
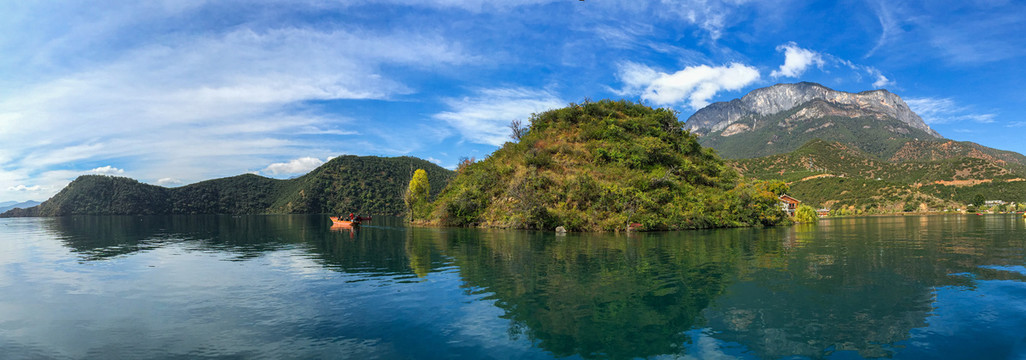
{"points": [[838, 176], [601, 166]]}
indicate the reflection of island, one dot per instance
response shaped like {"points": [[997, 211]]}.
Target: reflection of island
{"points": [[856, 285], [599, 296]]}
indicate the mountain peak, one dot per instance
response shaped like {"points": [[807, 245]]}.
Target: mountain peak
{"points": [[759, 103]]}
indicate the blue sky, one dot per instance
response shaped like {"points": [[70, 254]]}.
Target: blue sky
{"points": [[174, 92]]}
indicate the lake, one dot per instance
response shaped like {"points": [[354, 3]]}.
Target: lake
{"points": [[275, 287]]}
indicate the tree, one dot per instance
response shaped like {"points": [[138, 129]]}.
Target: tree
{"points": [[805, 214], [979, 200], [417, 195], [909, 206], [518, 129]]}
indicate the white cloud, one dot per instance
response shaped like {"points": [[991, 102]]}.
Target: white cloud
{"points": [[1017, 124], [945, 110], [882, 81], [468, 5], [485, 118], [24, 188], [696, 84], [713, 16], [296, 166], [168, 181], [107, 170], [796, 60], [888, 24], [197, 104], [436, 161]]}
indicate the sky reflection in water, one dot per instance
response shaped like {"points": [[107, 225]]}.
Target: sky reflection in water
{"points": [[287, 286]]}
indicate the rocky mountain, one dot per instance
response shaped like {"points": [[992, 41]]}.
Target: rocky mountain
{"points": [[855, 153], [362, 184], [740, 115]]}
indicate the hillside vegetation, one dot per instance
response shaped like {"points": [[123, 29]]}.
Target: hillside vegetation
{"points": [[366, 185], [604, 166], [923, 176], [777, 134]]}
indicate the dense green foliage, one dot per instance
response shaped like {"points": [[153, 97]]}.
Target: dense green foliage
{"points": [[603, 166], [805, 215], [364, 185]]}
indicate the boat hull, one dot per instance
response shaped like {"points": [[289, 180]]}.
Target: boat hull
{"points": [[335, 221]]}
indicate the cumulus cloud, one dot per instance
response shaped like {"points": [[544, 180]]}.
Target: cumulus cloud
{"points": [[882, 81], [694, 84], [485, 117], [24, 188], [107, 170], [796, 60], [946, 110], [295, 166], [168, 181]]}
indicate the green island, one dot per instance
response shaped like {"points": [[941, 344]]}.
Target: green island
{"points": [[605, 166]]}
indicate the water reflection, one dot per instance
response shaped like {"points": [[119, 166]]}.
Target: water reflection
{"points": [[857, 285]]}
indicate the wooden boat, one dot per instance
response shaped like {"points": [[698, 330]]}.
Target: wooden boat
{"points": [[336, 221]]}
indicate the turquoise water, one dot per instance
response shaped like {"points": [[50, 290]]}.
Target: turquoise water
{"points": [[290, 287]]}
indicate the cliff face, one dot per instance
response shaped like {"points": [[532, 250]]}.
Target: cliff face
{"points": [[879, 104]]}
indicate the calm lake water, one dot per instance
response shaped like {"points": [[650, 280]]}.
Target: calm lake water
{"points": [[289, 287]]}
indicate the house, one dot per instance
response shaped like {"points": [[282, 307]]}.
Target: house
{"points": [[789, 204], [823, 212]]}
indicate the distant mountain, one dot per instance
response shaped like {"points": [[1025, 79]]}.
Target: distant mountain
{"points": [[8, 205], [783, 117], [865, 152], [366, 185]]}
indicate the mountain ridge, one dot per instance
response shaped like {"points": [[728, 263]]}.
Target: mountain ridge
{"points": [[771, 100], [365, 184]]}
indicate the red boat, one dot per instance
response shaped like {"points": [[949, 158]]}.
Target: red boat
{"points": [[336, 221]]}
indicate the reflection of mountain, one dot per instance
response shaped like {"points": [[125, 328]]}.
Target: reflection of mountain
{"points": [[859, 285], [382, 250], [599, 296], [101, 237]]}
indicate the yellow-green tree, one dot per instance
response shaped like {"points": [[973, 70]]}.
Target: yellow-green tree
{"points": [[805, 214], [417, 195]]}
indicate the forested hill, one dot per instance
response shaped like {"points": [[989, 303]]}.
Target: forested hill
{"points": [[604, 166], [362, 184], [929, 175]]}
